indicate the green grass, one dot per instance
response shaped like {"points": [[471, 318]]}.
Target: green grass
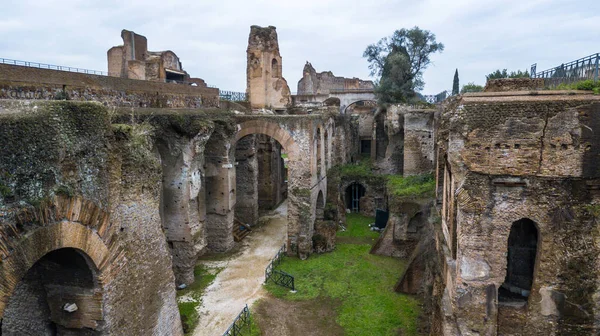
{"points": [[358, 227], [189, 310], [361, 282], [418, 186]]}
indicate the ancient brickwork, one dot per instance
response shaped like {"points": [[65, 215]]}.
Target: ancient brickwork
{"points": [[507, 160], [18, 82], [419, 140], [104, 203], [313, 83], [266, 87]]}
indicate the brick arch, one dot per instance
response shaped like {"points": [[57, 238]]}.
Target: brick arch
{"points": [[78, 224], [274, 131], [350, 103]]}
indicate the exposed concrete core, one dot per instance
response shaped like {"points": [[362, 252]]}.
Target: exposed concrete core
{"points": [[182, 201], [313, 83], [246, 177], [220, 191], [61, 277]]}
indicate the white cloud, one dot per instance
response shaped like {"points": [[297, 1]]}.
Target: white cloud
{"points": [[210, 36]]}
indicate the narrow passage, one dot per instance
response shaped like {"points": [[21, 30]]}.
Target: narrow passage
{"points": [[241, 280]]}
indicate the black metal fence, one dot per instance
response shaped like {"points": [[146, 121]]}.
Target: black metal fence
{"points": [[78, 70], [586, 68], [240, 324], [280, 278], [232, 95], [51, 67]]}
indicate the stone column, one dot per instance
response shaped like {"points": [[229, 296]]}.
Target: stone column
{"points": [[246, 171]]}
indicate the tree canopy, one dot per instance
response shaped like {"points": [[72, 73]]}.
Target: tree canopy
{"points": [[399, 62], [504, 74], [471, 87], [455, 83]]}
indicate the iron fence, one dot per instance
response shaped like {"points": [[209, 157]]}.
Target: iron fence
{"points": [[586, 68], [232, 95], [77, 70], [279, 277], [239, 323], [51, 67]]}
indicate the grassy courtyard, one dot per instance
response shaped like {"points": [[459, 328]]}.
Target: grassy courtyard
{"points": [[356, 284]]}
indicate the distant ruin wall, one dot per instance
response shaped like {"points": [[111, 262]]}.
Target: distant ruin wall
{"points": [[313, 83], [18, 82]]}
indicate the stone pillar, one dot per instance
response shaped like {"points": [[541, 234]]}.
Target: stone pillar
{"points": [[220, 192], [182, 211], [246, 176], [266, 87]]}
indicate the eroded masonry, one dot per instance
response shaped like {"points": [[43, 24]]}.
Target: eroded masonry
{"points": [[112, 187]]}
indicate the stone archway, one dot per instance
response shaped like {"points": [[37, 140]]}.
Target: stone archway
{"points": [[300, 212], [80, 227]]}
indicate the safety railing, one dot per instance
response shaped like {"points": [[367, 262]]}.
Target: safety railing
{"points": [[232, 95], [279, 277], [51, 67], [77, 70], [238, 327], [586, 68]]}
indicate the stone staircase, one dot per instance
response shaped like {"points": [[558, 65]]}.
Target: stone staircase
{"points": [[240, 230]]}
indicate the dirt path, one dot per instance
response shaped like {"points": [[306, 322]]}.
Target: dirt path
{"points": [[240, 281]]}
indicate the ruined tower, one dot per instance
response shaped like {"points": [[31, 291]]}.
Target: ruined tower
{"points": [[266, 87]]}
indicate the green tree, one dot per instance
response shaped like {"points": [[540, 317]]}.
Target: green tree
{"points": [[455, 84], [399, 62], [504, 74], [471, 87]]}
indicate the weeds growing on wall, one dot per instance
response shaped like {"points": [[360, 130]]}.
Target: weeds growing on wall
{"points": [[417, 186], [586, 85]]}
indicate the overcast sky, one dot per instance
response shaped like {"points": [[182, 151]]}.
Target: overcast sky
{"points": [[210, 37]]}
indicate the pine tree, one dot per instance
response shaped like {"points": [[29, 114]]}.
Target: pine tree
{"points": [[455, 85]]}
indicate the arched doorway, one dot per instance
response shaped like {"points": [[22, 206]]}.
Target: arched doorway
{"points": [[354, 192], [59, 295], [521, 256], [320, 207]]}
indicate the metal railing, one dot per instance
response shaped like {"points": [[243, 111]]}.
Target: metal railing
{"points": [[239, 323], [232, 95], [77, 70], [51, 67], [586, 68], [279, 277]]}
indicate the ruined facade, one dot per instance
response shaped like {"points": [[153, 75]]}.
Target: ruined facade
{"points": [[518, 192], [313, 83], [266, 87], [133, 60]]}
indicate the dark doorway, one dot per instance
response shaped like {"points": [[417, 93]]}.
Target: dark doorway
{"points": [[365, 147], [522, 250], [354, 192]]}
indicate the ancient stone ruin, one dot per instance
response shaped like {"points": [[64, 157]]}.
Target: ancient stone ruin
{"points": [[112, 187]]}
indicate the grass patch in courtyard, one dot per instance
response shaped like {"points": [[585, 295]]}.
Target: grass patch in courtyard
{"points": [[361, 282], [190, 298]]}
